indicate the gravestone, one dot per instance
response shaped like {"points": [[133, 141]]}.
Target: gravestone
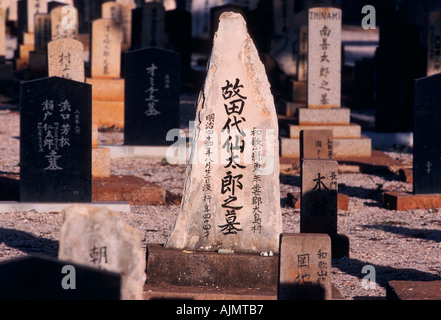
{"points": [[231, 198], [305, 267], [55, 142], [100, 238], [42, 278], [152, 91], [2, 35], [66, 59], [302, 68], [324, 57], [178, 30], [126, 22], [283, 15], [106, 49], [88, 11], [34, 7], [434, 44], [42, 31], [61, 16], [316, 144], [319, 196], [285, 52], [426, 152], [153, 25], [112, 10]]}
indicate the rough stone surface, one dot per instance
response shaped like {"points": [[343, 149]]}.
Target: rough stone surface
{"points": [[106, 49], [414, 290], [66, 59], [250, 219], [304, 269], [316, 144], [319, 200], [100, 238]]}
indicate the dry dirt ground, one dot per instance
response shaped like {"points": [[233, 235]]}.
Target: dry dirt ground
{"points": [[398, 245]]}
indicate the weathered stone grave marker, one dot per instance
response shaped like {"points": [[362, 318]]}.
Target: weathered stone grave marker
{"points": [[323, 110], [126, 22], [152, 91], [305, 267], [318, 213], [42, 278], [232, 188], [106, 81], [100, 238], [61, 25], [316, 144], [324, 58], [106, 49], [55, 142], [66, 59]]}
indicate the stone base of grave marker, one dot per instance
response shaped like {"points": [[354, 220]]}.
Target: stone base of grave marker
{"points": [[343, 148], [100, 162], [293, 201], [201, 275], [131, 189], [406, 201], [413, 290], [299, 91], [107, 102]]}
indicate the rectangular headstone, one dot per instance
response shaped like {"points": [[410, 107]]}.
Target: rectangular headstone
{"points": [[55, 142], [153, 25], [45, 278], [111, 10], [106, 49], [42, 31], [100, 238], [305, 267], [283, 16], [434, 44], [64, 22], [231, 198], [319, 196], [66, 59], [126, 22], [324, 57], [302, 68], [152, 91], [2, 35], [34, 7], [427, 134], [316, 144]]}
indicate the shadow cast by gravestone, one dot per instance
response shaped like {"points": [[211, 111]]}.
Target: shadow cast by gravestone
{"points": [[38, 277], [429, 235], [9, 188], [383, 274], [291, 291], [28, 243]]}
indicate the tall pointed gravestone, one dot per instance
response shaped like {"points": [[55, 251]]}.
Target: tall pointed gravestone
{"points": [[324, 109], [55, 141], [231, 196]]}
